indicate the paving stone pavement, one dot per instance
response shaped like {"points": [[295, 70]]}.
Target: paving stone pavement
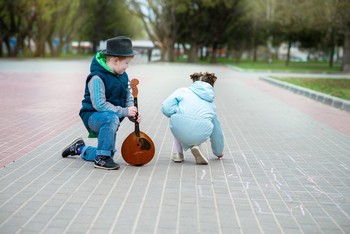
{"points": [[286, 165]]}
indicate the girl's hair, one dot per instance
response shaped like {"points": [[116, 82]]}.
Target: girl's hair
{"points": [[205, 77]]}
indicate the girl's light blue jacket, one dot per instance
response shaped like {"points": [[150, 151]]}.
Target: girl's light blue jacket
{"points": [[193, 119]]}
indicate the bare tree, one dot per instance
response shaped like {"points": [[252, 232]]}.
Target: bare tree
{"points": [[16, 22], [158, 17], [343, 11]]}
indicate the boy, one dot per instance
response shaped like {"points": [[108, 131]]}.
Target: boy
{"points": [[107, 101], [193, 119]]}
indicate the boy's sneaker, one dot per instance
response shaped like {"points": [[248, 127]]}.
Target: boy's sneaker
{"points": [[177, 157], [200, 159], [106, 162], [72, 149]]}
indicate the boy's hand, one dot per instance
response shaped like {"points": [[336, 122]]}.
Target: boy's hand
{"points": [[139, 118], [132, 111]]}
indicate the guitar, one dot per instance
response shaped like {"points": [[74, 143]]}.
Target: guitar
{"points": [[138, 148]]}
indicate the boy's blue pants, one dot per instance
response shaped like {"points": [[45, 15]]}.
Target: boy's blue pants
{"points": [[105, 124]]}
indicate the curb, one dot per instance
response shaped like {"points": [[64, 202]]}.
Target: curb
{"points": [[317, 96]]}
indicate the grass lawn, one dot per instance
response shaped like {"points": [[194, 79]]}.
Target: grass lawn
{"points": [[277, 65], [336, 87], [293, 66]]}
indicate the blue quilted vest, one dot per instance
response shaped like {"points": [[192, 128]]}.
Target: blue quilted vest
{"points": [[116, 90]]}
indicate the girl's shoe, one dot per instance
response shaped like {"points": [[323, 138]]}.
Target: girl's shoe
{"points": [[177, 157], [220, 156], [199, 157]]}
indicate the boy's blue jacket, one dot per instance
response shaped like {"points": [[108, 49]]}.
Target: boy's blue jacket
{"points": [[116, 88], [193, 117]]}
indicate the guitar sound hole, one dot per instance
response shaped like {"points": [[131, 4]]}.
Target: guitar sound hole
{"points": [[145, 144]]}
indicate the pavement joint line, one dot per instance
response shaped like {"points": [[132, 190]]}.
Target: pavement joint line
{"points": [[137, 218], [245, 189], [283, 171], [37, 192], [317, 96], [48, 200], [158, 216], [113, 226], [85, 202], [32, 159]]}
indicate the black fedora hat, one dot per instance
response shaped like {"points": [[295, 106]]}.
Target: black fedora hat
{"points": [[119, 46]]}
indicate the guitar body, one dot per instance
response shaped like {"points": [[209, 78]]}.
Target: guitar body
{"points": [[138, 148]]}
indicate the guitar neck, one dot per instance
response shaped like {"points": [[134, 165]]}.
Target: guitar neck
{"points": [[135, 102], [137, 127]]}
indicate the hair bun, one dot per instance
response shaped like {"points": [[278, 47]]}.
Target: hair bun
{"points": [[205, 77]]}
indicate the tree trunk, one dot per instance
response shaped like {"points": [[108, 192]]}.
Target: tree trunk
{"points": [[173, 35], [52, 49], [255, 51], [192, 55], [331, 56], [170, 54], [1, 53], [269, 49], [8, 46], [288, 52], [239, 55], [331, 52], [346, 55], [94, 46], [201, 53], [213, 53], [40, 48], [163, 52]]}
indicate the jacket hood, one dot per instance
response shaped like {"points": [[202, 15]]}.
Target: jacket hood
{"points": [[99, 63], [203, 90]]}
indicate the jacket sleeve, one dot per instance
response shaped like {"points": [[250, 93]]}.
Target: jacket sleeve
{"points": [[170, 105], [98, 98], [217, 137], [129, 99]]}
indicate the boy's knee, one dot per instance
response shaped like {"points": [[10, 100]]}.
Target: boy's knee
{"points": [[112, 120]]}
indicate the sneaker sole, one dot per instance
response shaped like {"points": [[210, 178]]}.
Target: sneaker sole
{"points": [[107, 168], [198, 156], [177, 159], [74, 142]]}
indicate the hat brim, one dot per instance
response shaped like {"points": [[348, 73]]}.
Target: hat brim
{"points": [[134, 52]]}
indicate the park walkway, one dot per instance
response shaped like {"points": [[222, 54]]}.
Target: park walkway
{"points": [[286, 165]]}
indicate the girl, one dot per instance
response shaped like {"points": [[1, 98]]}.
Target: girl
{"points": [[193, 119]]}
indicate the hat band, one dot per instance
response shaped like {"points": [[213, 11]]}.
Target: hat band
{"points": [[129, 52]]}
